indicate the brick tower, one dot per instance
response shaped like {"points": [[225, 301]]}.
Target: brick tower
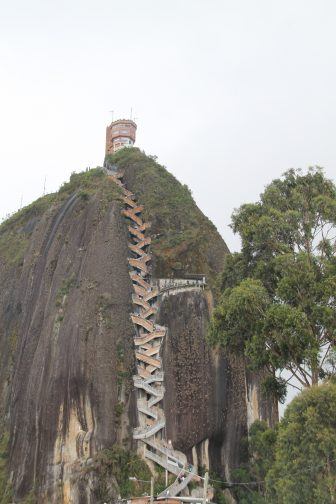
{"points": [[119, 134]]}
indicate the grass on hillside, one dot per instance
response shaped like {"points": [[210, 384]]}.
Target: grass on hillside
{"points": [[15, 231], [182, 235]]}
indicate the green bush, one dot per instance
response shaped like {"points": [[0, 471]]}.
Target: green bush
{"points": [[121, 464], [305, 451]]}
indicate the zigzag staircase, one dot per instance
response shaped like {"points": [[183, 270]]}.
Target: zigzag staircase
{"points": [[148, 340]]}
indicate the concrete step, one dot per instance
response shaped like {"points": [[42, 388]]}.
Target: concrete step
{"points": [[148, 337], [148, 360], [164, 462], [149, 350], [145, 242], [136, 249], [116, 180], [140, 302], [143, 373], [145, 257], [136, 231], [146, 324], [140, 291], [131, 215], [138, 209], [145, 225], [177, 486], [154, 400], [150, 430], [156, 377], [135, 277], [129, 201], [139, 264], [151, 369], [161, 446], [143, 407], [157, 392], [153, 293], [148, 313]]}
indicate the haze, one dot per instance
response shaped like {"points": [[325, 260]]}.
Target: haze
{"points": [[227, 94]]}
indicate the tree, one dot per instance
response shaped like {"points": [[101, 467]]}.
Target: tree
{"points": [[304, 469], [277, 301], [249, 487]]}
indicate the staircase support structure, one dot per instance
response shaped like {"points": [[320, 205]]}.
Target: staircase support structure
{"points": [[148, 339]]}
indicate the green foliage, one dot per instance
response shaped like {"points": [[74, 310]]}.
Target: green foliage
{"points": [[118, 411], [262, 441], [63, 291], [274, 386], [20, 218], [6, 493], [220, 498], [278, 303], [16, 230], [237, 315], [30, 498], [305, 451], [249, 478], [121, 464], [89, 183], [13, 245], [296, 461], [183, 239]]}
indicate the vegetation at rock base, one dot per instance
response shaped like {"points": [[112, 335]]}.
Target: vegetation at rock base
{"points": [[122, 465], [305, 453], [5, 486], [278, 294], [183, 239], [296, 462], [16, 230]]}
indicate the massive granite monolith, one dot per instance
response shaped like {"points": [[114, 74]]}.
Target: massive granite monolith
{"points": [[67, 404]]}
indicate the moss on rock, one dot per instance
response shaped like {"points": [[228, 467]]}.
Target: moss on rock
{"points": [[184, 240]]}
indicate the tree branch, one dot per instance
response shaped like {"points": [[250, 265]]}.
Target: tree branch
{"points": [[304, 384]]}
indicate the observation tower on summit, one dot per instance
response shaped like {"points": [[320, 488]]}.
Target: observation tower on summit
{"points": [[120, 134]]}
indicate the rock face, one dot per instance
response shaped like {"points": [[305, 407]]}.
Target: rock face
{"points": [[66, 339], [211, 398], [205, 400], [69, 310]]}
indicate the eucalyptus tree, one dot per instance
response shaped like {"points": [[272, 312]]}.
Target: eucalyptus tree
{"points": [[277, 301]]}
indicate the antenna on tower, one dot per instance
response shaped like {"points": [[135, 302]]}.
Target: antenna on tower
{"points": [[112, 112], [131, 113]]}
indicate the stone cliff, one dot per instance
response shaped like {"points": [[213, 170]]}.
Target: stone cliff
{"points": [[67, 403]]}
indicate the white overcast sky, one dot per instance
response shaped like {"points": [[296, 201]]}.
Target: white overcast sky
{"points": [[228, 94]]}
